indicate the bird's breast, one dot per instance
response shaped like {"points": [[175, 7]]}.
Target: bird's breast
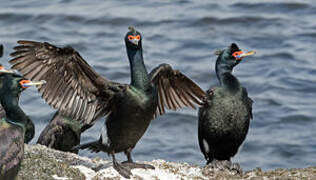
{"points": [[140, 98]]}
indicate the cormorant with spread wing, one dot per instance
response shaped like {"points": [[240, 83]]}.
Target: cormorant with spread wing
{"points": [[77, 90]]}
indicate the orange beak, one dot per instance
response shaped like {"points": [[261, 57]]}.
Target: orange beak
{"points": [[3, 70], [240, 54], [27, 83]]}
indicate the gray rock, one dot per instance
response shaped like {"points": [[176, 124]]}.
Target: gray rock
{"points": [[41, 162]]}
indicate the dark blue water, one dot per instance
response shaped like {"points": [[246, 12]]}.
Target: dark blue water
{"points": [[281, 78]]}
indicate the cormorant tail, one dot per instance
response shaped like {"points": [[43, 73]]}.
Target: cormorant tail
{"points": [[94, 146]]}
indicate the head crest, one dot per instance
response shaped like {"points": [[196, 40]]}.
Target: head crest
{"points": [[218, 52], [234, 47], [132, 29]]}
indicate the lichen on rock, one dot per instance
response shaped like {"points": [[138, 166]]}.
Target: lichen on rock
{"points": [[41, 162]]}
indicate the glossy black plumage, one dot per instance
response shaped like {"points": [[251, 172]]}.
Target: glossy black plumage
{"points": [[11, 149], [1, 50], [78, 91], [226, 113], [30, 129], [12, 126], [62, 133]]}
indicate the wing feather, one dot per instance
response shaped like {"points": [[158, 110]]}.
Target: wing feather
{"points": [[72, 87], [175, 90]]}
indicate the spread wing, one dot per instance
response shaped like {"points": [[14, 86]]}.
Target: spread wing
{"points": [[175, 90], [72, 87]]}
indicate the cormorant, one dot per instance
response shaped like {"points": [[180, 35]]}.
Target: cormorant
{"points": [[76, 90], [62, 133], [224, 117], [30, 129], [13, 126]]}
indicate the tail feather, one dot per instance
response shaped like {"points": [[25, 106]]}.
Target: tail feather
{"points": [[94, 146]]}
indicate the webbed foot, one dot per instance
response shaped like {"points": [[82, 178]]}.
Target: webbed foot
{"points": [[123, 171], [226, 165], [133, 165]]}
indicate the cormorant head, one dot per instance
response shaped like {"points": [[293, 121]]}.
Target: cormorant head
{"points": [[13, 83], [231, 56], [133, 38]]}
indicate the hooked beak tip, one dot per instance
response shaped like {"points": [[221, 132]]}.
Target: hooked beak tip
{"points": [[249, 53]]}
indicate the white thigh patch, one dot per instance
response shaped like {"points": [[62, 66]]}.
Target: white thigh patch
{"points": [[206, 146], [104, 135]]}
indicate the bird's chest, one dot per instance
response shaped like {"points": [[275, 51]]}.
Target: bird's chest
{"points": [[225, 111], [137, 102], [127, 124]]}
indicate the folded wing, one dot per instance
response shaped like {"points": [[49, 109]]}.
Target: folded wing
{"points": [[175, 90]]}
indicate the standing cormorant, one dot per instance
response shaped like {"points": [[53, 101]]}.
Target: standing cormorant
{"points": [[78, 91], [30, 129], [224, 117], [13, 125]]}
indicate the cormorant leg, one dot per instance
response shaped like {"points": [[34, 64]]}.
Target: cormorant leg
{"points": [[123, 171], [131, 164]]}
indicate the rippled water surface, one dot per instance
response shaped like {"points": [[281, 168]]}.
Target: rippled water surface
{"points": [[281, 78]]}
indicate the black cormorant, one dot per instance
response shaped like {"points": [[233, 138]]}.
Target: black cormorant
{"points": [[76, 90], [62, 133], [30, 129], [224, 117], [13, 125]]}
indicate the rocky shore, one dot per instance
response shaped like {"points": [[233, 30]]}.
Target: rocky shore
{"points": [[44, 163]]}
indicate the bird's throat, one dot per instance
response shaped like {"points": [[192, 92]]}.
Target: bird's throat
{"points": [[13, 112], [139, 75], [226, 78]]}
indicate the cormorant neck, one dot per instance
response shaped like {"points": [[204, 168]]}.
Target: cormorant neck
{"points": [[139, 75], [225, 77], [14, 113]]}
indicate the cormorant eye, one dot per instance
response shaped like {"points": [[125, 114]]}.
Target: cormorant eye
{"points": [[24, 82], [237, 54], [130, 37], [137, 37]]}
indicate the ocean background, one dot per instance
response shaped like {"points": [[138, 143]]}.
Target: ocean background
{"points": [[280, 78]]}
